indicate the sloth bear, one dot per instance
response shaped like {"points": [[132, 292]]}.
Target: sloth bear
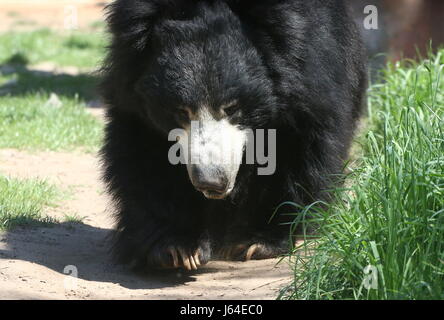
{"points": [[231, 68]]}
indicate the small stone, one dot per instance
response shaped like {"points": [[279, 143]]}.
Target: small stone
{"points": [[54, 101]]}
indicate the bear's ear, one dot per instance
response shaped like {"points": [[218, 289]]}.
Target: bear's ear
{"points": [[131, 21]]}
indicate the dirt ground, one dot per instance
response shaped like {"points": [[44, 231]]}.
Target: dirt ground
{"points": [[54, 14], [32, 260]]}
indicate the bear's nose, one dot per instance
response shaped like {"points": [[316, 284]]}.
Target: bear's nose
{"points": [[210, 180]]}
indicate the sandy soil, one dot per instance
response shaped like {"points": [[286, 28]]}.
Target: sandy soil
{"points": [[54, 14], [32, 260]]}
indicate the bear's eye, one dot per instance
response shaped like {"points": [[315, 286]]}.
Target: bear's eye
{"points": [[231, 110], [183, 114]]}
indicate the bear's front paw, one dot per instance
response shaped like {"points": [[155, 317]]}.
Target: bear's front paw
{"points": [[248, 251], [183, 258], [178, 256]]}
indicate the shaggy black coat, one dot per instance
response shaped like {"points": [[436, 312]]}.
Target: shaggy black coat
{"points": [[296, 66]]}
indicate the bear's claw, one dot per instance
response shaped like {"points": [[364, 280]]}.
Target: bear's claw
{"points": [[183, 259], [241, 251], [251, 250]]}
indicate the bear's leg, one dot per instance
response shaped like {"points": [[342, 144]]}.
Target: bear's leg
{"points": [[161, 234], [145, 242], [252, 230], [159, 219]]}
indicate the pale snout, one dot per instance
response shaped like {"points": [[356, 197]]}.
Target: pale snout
{"points": [[213, 149], [211, 180]]}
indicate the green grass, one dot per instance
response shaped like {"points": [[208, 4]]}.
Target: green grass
{"points": [[22, 202], [30, 122], [390, 215], [73, 218], [27, 119], [80, 49]]}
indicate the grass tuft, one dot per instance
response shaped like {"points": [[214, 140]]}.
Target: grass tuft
{"points": [[22, 202], [17, 58], [383, 237]]}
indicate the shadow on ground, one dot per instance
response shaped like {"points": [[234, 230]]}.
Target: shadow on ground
{"points": [[83, 246], [65, 82], [40, 255]]}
